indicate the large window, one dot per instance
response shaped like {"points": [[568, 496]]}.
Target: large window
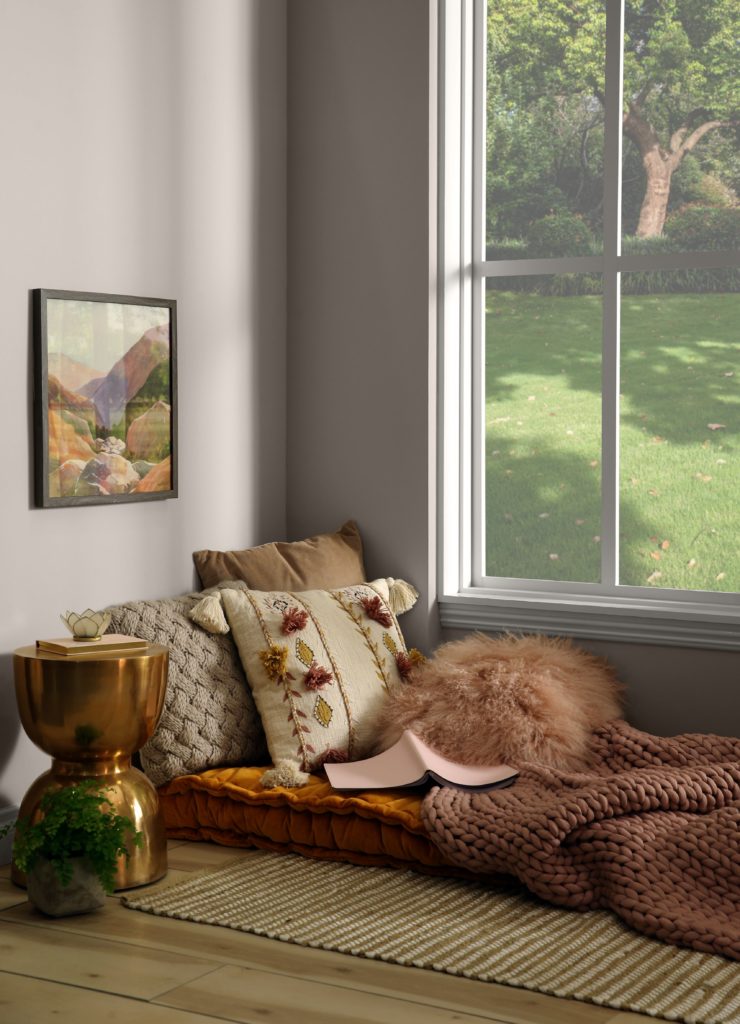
{"points": [[591, 373]]}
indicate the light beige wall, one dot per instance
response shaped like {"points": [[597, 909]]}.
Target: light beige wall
{"points": [[359, 360], [143, 152]]}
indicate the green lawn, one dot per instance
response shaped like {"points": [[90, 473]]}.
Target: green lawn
{"points": [[680, 418]]}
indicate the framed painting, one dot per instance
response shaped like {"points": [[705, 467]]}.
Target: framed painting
{"points": [[105, 398]]}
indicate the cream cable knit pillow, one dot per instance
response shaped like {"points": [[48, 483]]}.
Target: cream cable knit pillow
{"points": [[209, 718]]}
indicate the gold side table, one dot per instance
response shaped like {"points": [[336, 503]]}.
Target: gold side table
{"points": [[91, 713]]}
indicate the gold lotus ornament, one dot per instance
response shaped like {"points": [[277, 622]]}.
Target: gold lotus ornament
{"points": [[87, 625]]}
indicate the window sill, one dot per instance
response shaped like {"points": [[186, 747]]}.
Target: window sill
{"points": [[669, 623]]}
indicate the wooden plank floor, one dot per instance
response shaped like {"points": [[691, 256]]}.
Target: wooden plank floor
{"points": [[131, 968]]}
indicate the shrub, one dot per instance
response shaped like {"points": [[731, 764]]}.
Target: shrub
{"points": [[688, 279], [696, 228], [559, 234], [507, 249]]}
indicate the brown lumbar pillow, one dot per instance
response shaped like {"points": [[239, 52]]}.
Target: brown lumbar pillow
{"points": [[323, 562]]}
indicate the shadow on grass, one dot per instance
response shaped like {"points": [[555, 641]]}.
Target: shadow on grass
{"points": [[680, 367], [549, 504]]}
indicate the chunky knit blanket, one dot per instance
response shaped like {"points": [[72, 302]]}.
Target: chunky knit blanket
{"points": [[651, 831]]}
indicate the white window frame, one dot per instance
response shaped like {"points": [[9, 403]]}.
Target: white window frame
{"points": [[467, 598]]}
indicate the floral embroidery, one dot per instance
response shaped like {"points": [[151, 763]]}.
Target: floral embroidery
{"points": [[323, 712], [332, 756], [390, 643], [317, 677], [275, 660], [304, 653], [374, 610], [294, 619], [405, 662]]}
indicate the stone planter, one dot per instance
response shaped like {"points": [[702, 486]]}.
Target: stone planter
{"points": [[83, 894]]}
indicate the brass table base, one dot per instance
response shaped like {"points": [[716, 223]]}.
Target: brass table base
{"points": [[90, 714], [131, 794]]}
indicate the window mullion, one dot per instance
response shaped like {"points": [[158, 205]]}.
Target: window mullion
{"points": [[611, 295], [477, 150]]}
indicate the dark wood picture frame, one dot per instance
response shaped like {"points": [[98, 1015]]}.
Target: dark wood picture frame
{"points": [[84, 413]]}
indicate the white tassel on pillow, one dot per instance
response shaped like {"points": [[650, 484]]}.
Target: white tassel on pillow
{"points": [[209, 614], [402, 596], [286, 774]]}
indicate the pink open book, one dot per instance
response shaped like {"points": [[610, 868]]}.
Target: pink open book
{"points": [[410, 762]]}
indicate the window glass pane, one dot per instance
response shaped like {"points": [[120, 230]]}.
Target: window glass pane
{"points": [[681, 168], [543, 427], [544, 128], [680, 423]]}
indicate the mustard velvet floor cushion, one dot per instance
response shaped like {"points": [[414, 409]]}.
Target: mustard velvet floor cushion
{"points": [[230, 806]]}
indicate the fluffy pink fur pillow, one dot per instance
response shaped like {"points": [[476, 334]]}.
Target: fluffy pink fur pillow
{"points": [[488, 700]]}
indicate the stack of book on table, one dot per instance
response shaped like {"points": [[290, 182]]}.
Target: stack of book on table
{"points": [[109, 643]]}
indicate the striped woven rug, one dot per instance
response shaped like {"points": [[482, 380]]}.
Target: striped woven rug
{"points": [[461, 927]]}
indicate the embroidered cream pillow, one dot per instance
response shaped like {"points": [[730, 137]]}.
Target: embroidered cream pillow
{"points": [[320, 663]]}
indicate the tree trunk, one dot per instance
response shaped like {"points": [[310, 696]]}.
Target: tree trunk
{"points": [[660, 163], [658, 173]]}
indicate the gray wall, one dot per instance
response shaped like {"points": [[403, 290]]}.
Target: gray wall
{"points": [[361, 415], [143, 148], [360, 374]]}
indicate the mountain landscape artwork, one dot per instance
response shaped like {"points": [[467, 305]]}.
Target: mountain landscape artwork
{"points": [[105, 398]]}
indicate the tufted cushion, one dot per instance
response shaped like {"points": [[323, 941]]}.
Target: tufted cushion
{"points": [[209, 718]]}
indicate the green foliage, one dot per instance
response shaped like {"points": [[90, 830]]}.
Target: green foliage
{"points": [[74, 823], [700, 280], [559, 234], [544, 106], [699, 228]]}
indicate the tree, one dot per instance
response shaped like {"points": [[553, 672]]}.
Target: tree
{"points": [[546, 66], [680, 84]]}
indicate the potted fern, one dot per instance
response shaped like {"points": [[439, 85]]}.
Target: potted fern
{"points": [[71, 853]]}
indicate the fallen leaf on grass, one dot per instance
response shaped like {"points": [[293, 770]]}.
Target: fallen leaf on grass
{"points": [[692, 563], [657, 439], [655, 555], [554, 558], [716, 426], [729, 373], [594, 463], [544, 515], [654, 576], [721, 462], [597, 539], [653, 492], [704, 477], [720, 576], [665, 544], [580, 522]]}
